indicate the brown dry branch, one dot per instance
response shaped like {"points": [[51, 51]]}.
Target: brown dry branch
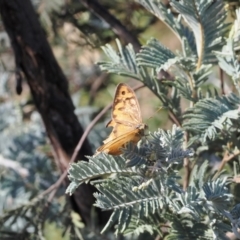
{"points": [[227, 157], [53, 188]]}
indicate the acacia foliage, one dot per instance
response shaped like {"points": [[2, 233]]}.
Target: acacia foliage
{"points": [[144, 186]]}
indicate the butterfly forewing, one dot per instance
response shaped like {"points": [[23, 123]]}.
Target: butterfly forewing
{"points": [[126, 109]]}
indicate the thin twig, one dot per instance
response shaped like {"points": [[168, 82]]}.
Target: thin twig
{"points": [[173, 118], [226, 159], [81, 141], [54, 188], [186, 165], [222, 81], [115, 24], [186, 135]]}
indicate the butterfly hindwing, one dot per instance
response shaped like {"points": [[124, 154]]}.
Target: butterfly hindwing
{"points": [[114, 146]]}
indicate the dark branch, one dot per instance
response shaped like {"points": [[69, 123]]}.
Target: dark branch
{"points": [[115, 24]]}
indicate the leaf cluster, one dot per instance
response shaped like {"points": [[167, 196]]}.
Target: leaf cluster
{"points": [[144, 187]]}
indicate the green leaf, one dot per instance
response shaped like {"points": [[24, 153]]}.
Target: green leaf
{"points": [[206, 18], [229, 62], [122, 63], [210, 115], [98, 166], [217, 192], [154, 55], [164, 14]]}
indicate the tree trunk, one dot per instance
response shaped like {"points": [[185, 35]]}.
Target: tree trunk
{"points": [[49, 89]]}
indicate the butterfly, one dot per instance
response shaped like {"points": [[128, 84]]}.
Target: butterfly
{"points": [[126, 121]]}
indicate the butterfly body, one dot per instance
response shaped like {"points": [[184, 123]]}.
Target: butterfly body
{"points": [[126, 121]]}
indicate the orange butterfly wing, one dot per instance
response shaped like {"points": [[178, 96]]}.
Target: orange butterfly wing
{"points": [[114, 146], [126, 121]]}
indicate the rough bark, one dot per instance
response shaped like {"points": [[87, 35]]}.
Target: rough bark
{"points": [[49, 89]]}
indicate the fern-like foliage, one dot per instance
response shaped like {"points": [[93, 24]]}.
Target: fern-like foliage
{"points": [[216, 114], [153, 150], [229, 62], [122, 63], [191, 68], [145, 191], [144, 186], [160, 11], [165, 147], [150, 56], [211, 198], [185, 228], [145, 224], [148, 191], [127, 203], [228, 57], [206, 20], [198, 79], [96, 167]]}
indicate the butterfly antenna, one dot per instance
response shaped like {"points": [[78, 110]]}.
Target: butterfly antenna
{"points": [[160, 108]]}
